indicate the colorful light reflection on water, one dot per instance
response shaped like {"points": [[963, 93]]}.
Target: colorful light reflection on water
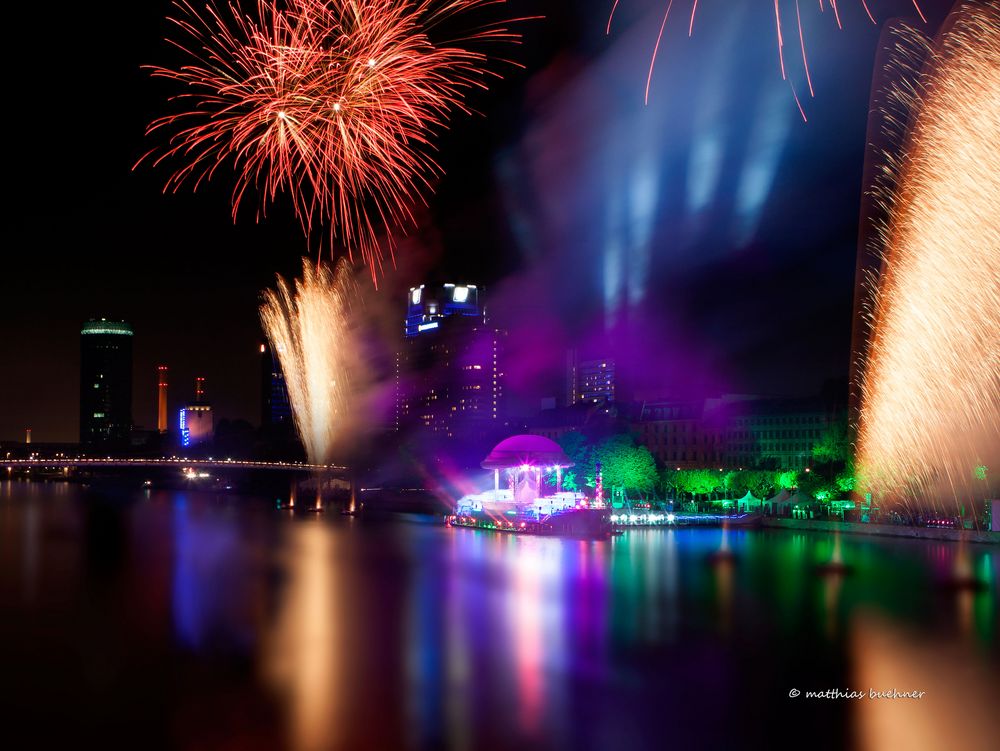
{"points": [[212, 621]]}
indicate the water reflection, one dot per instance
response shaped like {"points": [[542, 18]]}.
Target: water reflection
{"points": [[952, 702], [258, 627], [208, 580], [303, 652]]}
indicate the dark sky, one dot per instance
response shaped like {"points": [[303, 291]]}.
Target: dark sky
{"points": [[714, 222]]}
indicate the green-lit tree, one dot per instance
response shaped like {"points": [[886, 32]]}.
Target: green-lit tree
{"points": [[819, 487], [833, 475], [625, 465], [671, 482], [846, 481], [786, 479], [699, 482], [574, 445], [735, 483], [834, 446], [761, 483]]}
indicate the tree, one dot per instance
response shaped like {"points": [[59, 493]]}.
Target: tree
{"points": [[569, 480], [786, 480], [671, 481], [735, 483], [820, 488], [625, 465], [761, 483], [701, 481], [574, 445], [846, 481], [834, 445]]}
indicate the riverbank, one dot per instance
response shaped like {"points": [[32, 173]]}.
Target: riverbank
{"points": [[884, 530]]}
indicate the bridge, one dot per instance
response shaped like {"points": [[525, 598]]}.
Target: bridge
{"points": [[83, 462]]}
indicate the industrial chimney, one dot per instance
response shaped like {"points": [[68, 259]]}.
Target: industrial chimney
{"points": [[161, 396]]}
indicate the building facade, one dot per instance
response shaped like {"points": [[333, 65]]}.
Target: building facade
{"points": [[776, 433], [735, 431], [728, 432], [196, 421], [449, 376], [590, 381], [682, 434], [105, 382]]}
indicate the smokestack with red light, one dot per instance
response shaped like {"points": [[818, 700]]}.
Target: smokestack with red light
{"points": [[161, 396], [199, 390]]}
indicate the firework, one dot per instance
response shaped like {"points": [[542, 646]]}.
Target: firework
{"points": [[929, 423], [333, 102], [780, 22], [309, 327]]}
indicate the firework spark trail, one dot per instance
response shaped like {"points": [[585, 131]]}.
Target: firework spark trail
{"points": [[335, 102], [308, 326], [778, 30], [930, 383]]}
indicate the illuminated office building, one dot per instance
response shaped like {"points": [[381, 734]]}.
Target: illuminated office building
{"points": [[449, 374]]}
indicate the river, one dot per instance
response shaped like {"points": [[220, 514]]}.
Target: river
{"points": [[167, 619]]}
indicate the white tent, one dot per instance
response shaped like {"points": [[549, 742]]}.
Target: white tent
{"points": [[798, 503], [776, 504], [748, 503], [801, 499]]}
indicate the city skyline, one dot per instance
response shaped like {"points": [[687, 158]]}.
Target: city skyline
{"points": [[502, 374], [180, 271]]}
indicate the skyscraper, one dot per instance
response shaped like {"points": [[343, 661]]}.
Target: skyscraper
{"points": [[105, 382], [448, 370], [275, 409]]}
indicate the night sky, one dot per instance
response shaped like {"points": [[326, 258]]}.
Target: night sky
{"points": [[712, 224]]}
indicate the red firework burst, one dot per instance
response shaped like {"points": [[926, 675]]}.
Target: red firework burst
{"points": [[334, 102], [780, 34]]}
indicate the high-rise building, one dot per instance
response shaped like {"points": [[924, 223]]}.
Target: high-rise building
{"points": [[275, 409], [449, 376], [589, 381], [196, 423], [105, 382], [161, 399]]}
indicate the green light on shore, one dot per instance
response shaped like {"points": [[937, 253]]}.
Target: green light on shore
{"points": [[981, 472]]}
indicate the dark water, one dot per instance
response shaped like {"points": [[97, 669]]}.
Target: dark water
{"points": [[197, 621]]}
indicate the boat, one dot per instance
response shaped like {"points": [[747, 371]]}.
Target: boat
{"points": [[523, 505]]}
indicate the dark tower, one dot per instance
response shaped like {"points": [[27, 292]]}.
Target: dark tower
{"points": [[275, 409], [105, 382]]}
